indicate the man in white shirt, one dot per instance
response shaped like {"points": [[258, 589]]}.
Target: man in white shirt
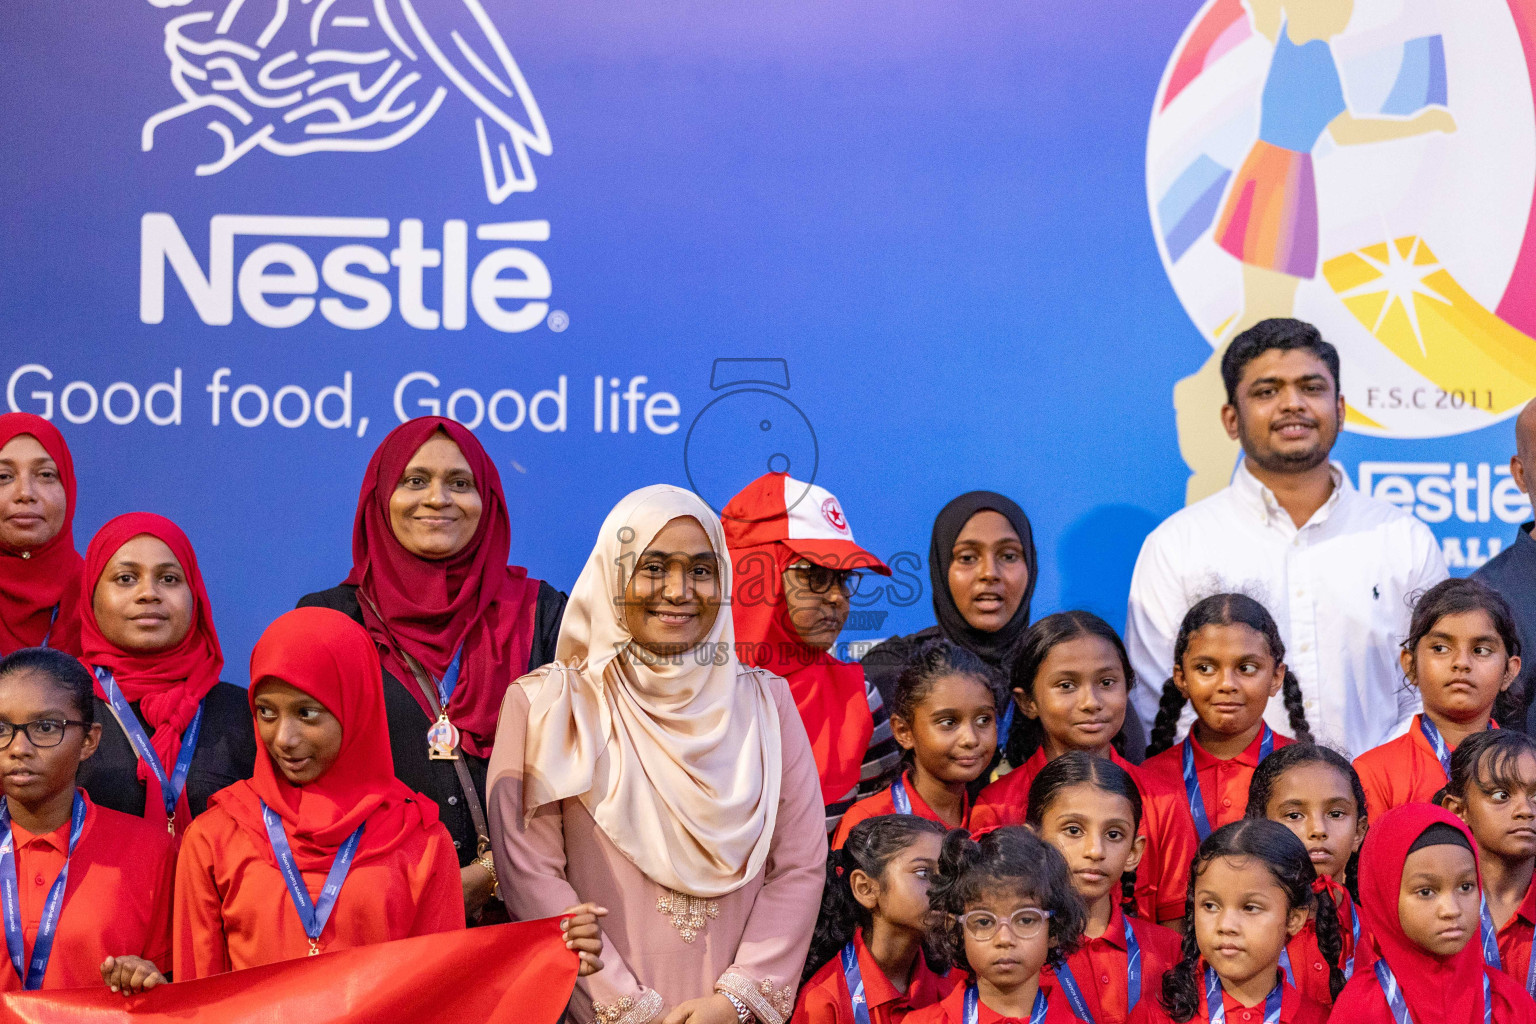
{"points": [[1338, 570]]}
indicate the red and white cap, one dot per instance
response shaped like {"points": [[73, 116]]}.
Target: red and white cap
{"points": [[806, 518]]}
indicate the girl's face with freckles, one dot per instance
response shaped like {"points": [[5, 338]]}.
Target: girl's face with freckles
{"points": [[1439, 900]]}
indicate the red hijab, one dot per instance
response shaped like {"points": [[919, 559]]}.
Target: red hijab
{"points": [[429, 608], [33, 585], [167, 685], [331, 658], [1438, 990]]}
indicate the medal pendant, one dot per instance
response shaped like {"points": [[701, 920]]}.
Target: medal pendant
{"points": [[170, 826], [314, 948], [443, 740]]}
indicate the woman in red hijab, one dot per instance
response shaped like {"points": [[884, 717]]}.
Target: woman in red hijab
{"points": [[453, 623], [795, 561], [1419, 892], [39, 567], [324, 803], [172, 735]]}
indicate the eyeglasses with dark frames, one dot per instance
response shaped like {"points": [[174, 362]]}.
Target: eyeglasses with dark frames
{"points": [[819, 579], [43, 733]]}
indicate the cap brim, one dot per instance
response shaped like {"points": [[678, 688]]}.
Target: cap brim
{"points": [[837, 554]]}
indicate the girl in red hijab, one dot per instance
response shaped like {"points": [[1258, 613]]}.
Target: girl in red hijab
{"points": [[172, 733], [323, 802], [448, 616], [794, 553], [1419, 892], [39, 567]]}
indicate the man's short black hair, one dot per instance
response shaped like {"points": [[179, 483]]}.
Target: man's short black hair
{"points": [[1280, 333]]}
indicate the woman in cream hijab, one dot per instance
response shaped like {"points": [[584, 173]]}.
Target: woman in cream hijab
{"points": [[648, 771]]}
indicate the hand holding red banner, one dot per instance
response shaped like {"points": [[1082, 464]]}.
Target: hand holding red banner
{"points": [[513, 973]]}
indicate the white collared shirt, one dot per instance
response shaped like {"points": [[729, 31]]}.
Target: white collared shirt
{"points": [[1340, 588]]}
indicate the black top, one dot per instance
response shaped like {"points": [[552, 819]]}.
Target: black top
{"points": [[225, 754], [408, 724], [1512, 572]]}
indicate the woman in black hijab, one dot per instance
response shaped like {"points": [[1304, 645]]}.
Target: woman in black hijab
{"points": [[981, 567]]}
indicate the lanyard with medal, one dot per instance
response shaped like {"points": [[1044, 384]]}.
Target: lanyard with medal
{"points": [[1192, 778], [1437, 742], [973, 1006], [312, 914], [855, 979], [1074, 992], [31, 971], [172, 786], [1216, 1007], [1399, 1006], [443, 736]]}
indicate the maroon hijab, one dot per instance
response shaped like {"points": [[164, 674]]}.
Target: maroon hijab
{"points": [[34, 584], [428, 608]]}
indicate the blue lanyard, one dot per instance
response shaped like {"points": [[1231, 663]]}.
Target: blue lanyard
{"points": [[1399, 1006], [312, 915], [1349, 965], [1437, 742], [1006, 725], [53, 617], [170, 788], [1490, 937], [1074, 992], [1216, 1009], [450, 681], [855, 979], [899, 796], [31, 972], [973, 1006], [1192, 778]]}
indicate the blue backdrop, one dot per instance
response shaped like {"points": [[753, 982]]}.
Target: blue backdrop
{"points": [[936, 215]]}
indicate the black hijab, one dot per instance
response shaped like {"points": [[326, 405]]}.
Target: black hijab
{"points": [[992, 647]]}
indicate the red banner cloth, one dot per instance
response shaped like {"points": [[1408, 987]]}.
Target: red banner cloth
{"points": [[512, 973]]}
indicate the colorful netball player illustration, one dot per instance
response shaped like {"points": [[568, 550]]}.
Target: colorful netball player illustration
{"points": [[1269, 217]]}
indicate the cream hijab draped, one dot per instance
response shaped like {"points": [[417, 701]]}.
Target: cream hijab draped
{"points": [[678, 760]]}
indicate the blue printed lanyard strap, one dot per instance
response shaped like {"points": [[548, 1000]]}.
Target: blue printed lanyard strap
{"points": [[1399, 1005], [31, 971], [855, 979], [1074, 992], [973, 1006], [1216, 1008], [312, 914], [1192, 794], [172, 786]]}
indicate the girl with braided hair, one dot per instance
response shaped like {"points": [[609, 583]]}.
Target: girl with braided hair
{"points": [[870, 934], [1228, 661]]}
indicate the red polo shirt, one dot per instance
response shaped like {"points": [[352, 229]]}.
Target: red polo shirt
{"points": [[117, 901], [1295, 1008], [951, 1009], [1400, 771], [1223, 782], [1101, 967], [1515, 938], [1163, 878], [825, 998], [884, 803], [1307, 960]]}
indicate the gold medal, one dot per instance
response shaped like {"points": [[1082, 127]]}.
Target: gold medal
{"points": [[443, 739]]}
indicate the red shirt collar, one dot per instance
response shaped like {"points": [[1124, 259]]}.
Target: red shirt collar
{"points": [[1290, 998], [57, 840], [1249, 757], [922, 810], [878, 990], [954, 1003]]}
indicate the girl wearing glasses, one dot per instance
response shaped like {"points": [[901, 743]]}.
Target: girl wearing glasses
{"points": [[945, 719], [1008, 910], [1251, 889], [172, 735], [86, 890], [797, 567]]}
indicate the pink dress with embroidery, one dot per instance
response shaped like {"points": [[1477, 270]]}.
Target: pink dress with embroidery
{"points": [[662, 948]]}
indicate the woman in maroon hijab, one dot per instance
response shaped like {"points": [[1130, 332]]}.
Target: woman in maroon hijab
{"points": [[39, 566], [453, 622]]}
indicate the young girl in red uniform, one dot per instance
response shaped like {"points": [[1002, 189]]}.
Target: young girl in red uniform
{"points": [[874, 916], [1228, 661], [1419, 894], [1462, 654], [1493, 790], [325, 806], [1070, 682], [86, 890], [1089, 808], [1250, 891], [1009, 911], [944, 717], [1313, 791]]}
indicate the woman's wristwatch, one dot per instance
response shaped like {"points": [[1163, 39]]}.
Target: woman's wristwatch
{"points": [[743, 1014]]}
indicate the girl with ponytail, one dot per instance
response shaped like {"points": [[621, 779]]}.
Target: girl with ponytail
{"points": [[1250, 891], [870, 933], [1228, 661]]}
